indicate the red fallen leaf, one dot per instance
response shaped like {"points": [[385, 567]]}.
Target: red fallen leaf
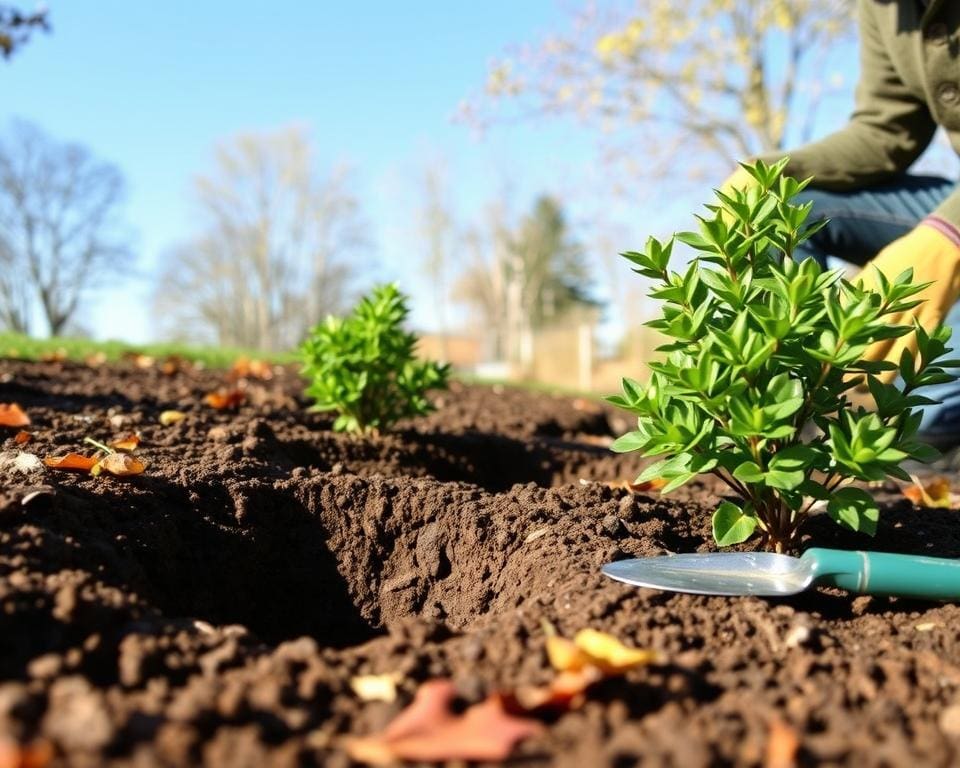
{"points": [[72, 461], [36, 755], [127, 444], [12, 415], [782, 746], [428, 731], [22, 437], [119, 465], [232, 398]]}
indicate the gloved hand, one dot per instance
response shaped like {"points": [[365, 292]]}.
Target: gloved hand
{"points": [[934, 257]]}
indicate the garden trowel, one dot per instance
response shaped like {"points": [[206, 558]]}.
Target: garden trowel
{"points": [[767, 574]]}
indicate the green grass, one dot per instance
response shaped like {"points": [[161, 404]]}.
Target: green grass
{"points": [[15, 345]]}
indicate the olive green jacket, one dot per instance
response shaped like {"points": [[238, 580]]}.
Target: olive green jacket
{"points": [[909, 84]]}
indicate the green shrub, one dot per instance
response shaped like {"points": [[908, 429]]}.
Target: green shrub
{"points": [[761, 346], [363, 366]]}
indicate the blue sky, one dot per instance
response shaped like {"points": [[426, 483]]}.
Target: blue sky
{"points": [[152, 87]]}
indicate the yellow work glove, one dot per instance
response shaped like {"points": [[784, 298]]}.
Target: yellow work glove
{"points": [[935, 258]]}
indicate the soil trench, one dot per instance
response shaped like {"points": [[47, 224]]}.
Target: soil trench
{"points": [[214, 610]]}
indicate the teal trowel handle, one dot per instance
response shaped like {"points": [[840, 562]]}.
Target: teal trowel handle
{"points": [[882, 573]]}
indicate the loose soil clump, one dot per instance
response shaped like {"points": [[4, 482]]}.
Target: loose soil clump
{"points": [[214, 610]]}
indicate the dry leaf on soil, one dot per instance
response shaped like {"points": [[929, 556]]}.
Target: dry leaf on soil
{"points": [[171, 417], [245, 368], [12, 415], [224, 400], [74, 462], [119, 465], [935, 493], [13, 755], [429, 731], [22, 437], [58, 355], [782, 746], [590, 657], [127, 444]]}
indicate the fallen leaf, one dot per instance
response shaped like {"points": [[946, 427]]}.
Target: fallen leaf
{"points": [[168, 418], [22, 437], [119, 465], [376, 687], [782, 746], [223, 400], [245, 368], [35, 755], [649, 485], [127, 444], [95, 359], [12, 415], [609, 654], [173, 364], [429, 731], [564, 654], [935, 493], [54, 356], [74, 462], [565, 692]]}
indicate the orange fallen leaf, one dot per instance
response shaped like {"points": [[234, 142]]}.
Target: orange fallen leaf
{"points": [[565, 692], [119, 465], [223, 400], [95, 360], [74, 462], [782, 746], [429, 731], [245, 368], [649, 485], [168, 418], [127, 444], [590, 657], [173, 364], [22, 437], [935, 493], [36, 755], [12, 415]]}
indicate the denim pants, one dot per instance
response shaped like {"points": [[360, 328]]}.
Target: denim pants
{"points": [[862, 223]]}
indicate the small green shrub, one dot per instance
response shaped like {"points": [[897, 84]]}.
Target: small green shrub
{"points": [[759, 347], [363, 366]]}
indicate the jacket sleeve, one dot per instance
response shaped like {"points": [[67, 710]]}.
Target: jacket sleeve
{"points": [[889, 128]]}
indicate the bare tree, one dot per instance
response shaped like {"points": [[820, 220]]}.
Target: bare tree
{"points": [[59, 229], [706, 80], [523, 276], [271, 255], [438, 230], [16, 26]]}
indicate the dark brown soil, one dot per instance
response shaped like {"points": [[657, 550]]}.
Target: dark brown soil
{"points": [[213, 610]]}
